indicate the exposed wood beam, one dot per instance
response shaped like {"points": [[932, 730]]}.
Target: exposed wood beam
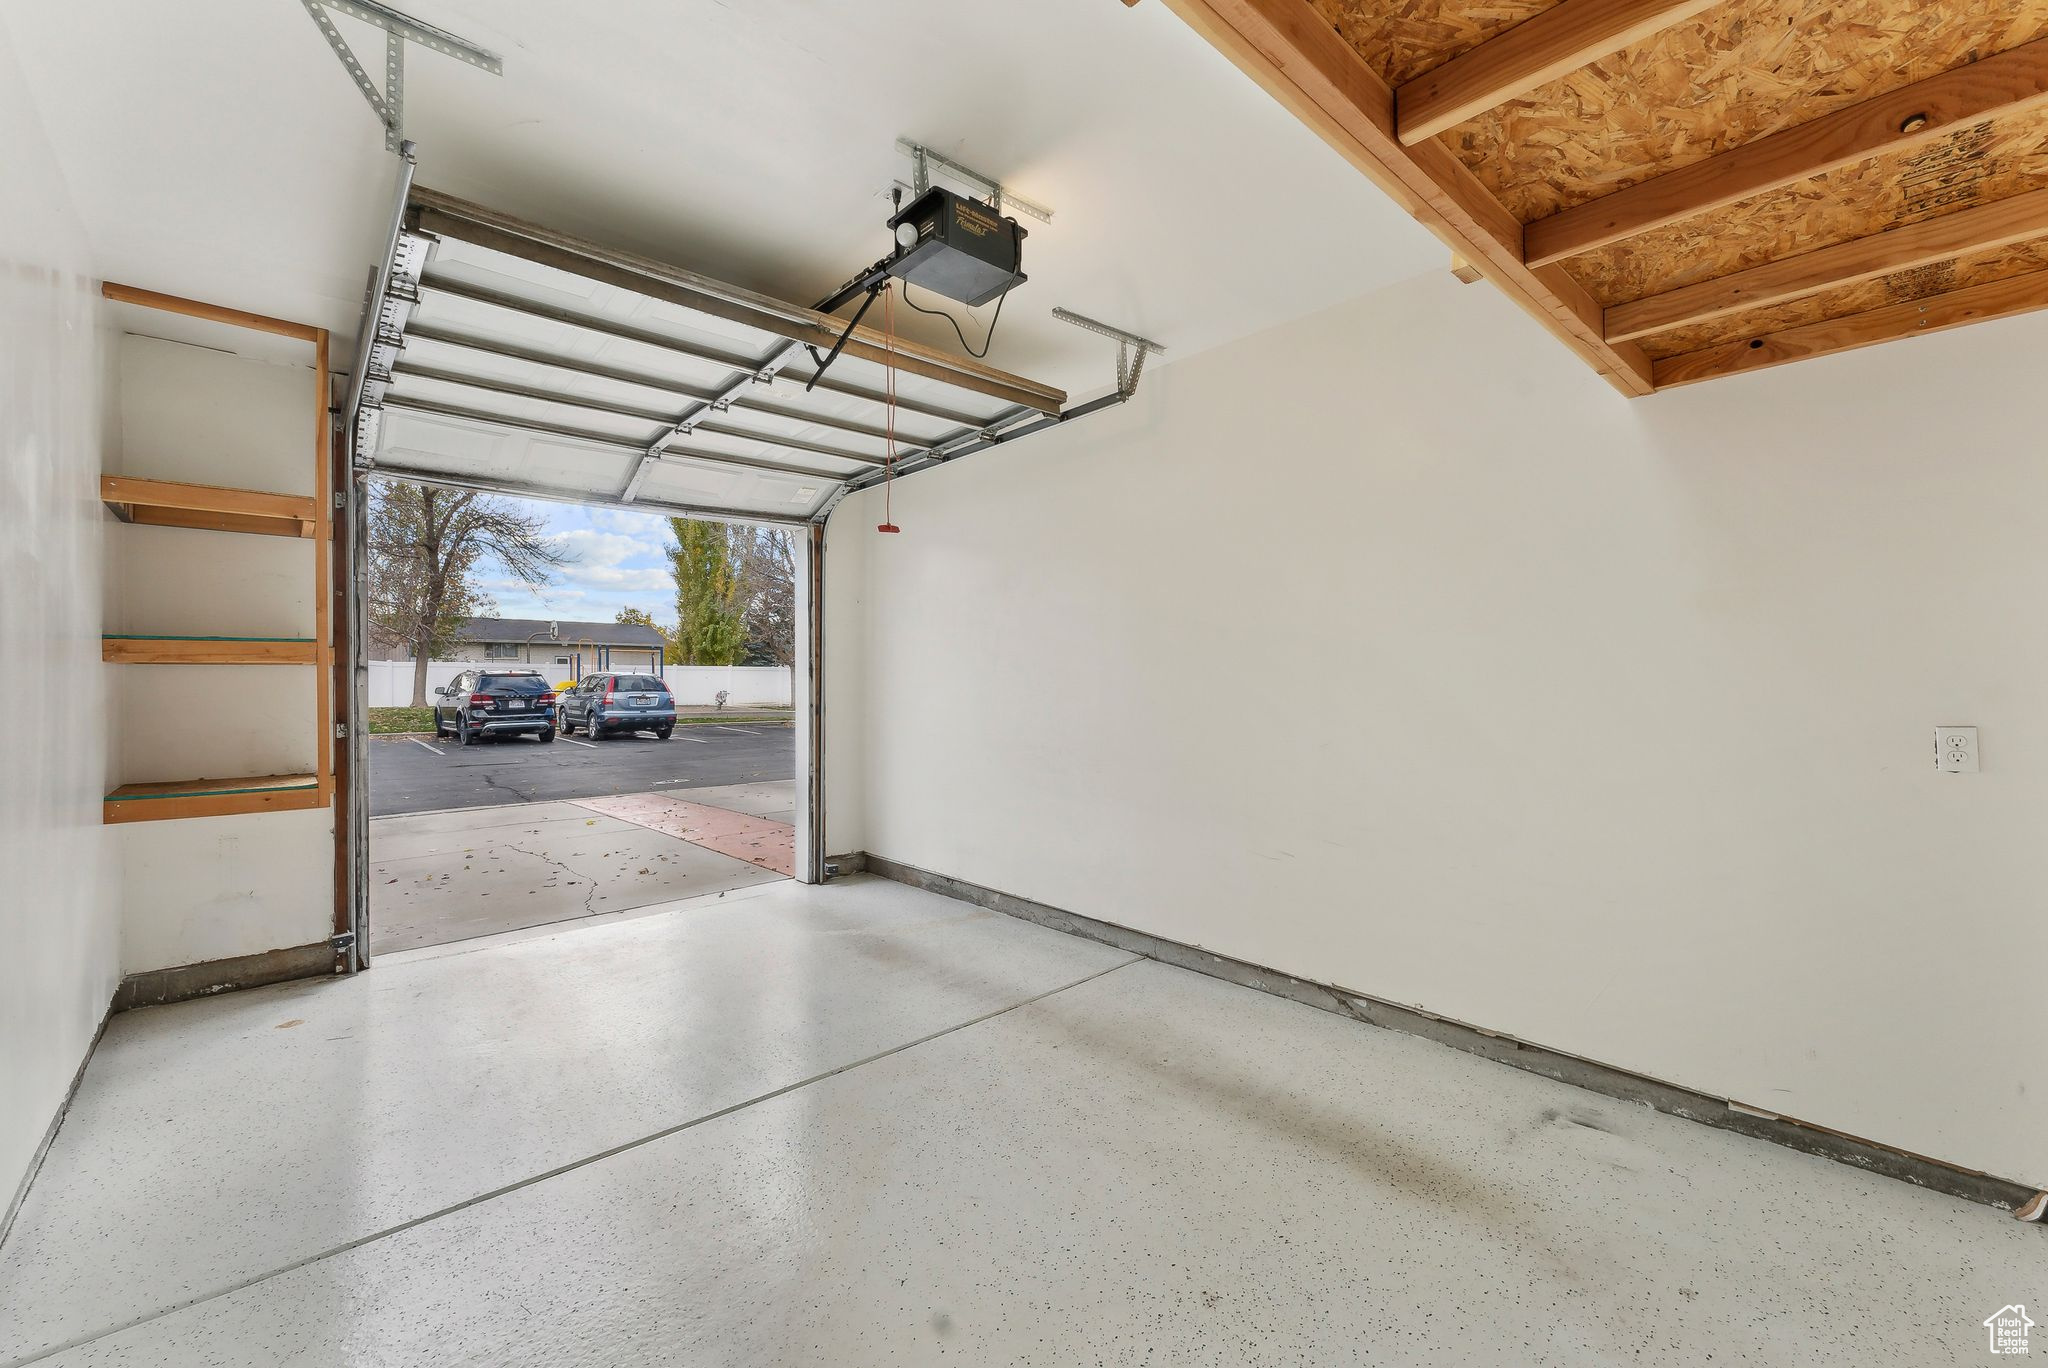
{"points": [[2019, 219], [1554, 43], [212, 313], [1318, 77], [1915, 318], [1894, 122]]}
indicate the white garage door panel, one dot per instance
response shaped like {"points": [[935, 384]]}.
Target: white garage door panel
{"points": [[518, 462], [466, 263], [498, 455], [534, 365]]}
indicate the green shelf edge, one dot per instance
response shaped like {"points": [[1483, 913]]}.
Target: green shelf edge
{"points": [[211, 793]]}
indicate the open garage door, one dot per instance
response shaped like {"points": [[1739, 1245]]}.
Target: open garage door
{"points": [[516, 360], [506, 358]]}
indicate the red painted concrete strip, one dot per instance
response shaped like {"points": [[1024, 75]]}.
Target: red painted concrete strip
{"points": [[758, 841]]}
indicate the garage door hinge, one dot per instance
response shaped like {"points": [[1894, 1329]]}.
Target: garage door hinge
{"points": [[344, 941], [340, 499], [341, 731]]}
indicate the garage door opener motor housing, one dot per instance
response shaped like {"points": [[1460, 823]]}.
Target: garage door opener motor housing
{"points": [[954, 246], [947, 243]]}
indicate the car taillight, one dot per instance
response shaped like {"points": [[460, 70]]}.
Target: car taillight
{"points": [[547, 698], [482, 702], [607, 693]]}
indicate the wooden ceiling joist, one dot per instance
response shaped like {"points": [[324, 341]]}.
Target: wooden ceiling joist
{"points": [[2019, 219], [1795, 177], [1914, 318], [1893, 122], [1321, 79], [1538, 50]]}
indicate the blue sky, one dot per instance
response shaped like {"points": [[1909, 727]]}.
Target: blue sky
{"points": [[620, 564]]}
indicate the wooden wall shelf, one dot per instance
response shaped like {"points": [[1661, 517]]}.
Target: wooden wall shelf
{"points": [[212, 797], [217, 508], [166, 503], [130, 649]]}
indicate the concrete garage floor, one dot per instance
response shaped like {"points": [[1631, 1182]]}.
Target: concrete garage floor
{"points": [[448, 876], [862, 1124]]}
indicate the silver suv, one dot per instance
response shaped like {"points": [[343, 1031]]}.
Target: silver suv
{"points": [[480, 703], [607, 705]]}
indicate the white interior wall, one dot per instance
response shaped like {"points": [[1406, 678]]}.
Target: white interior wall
{"points": [[1622, 736], [212, 888], [58, 922]]}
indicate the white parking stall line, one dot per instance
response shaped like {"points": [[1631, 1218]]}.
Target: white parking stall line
{"points": [[424, 746], [566, 741], [698, 739], [724, 726]]}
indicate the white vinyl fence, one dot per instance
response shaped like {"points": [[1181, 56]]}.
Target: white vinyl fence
{"points": [[746, 686]]}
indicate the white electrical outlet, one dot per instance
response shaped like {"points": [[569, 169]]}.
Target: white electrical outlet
{"points": [[1955, 750]]}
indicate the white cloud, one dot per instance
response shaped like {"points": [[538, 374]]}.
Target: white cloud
{"points": [[592, 548], [621, 562], [648, 579]]}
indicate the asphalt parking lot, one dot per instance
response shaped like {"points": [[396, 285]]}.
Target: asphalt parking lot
{"points": [[420, 774]]}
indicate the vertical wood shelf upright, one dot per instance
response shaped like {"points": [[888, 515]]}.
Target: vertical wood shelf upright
{"points": [[210, 510]]}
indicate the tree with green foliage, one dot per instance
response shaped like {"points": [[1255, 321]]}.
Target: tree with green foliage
{"points": [[710, 594]]}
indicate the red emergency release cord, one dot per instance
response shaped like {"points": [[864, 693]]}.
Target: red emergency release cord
{"points": [[888, 523]]}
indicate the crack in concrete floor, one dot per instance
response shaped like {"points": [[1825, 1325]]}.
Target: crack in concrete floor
{"points": [[451, 876], [589, 893]]}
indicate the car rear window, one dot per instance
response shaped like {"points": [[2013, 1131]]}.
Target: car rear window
{"points": [[509, 683], [640, 684]]}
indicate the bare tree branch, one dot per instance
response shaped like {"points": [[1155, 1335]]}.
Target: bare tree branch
{"points": [[426, 545]]}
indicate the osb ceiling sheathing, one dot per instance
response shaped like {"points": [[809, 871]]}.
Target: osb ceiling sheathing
{"points": [[1736, 72], [1742, 70], [1970, 268], [1401, 41], [1980, 164]]}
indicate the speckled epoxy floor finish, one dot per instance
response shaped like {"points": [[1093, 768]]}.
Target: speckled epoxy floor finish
{"points": [[215, 1141], [1144, 1167]]}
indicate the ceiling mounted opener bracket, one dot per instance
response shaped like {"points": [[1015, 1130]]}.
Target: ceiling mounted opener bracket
{"points": [[1131, 349], [923, 161], [389, 104]]}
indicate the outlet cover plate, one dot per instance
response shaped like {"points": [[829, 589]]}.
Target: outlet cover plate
{"points": [[1955, 750]]}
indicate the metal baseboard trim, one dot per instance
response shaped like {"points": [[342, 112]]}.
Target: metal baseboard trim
{"points": [[155, 987], [35, 1163], [1605, 1079]]}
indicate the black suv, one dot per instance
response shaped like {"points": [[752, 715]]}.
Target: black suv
{"points": [[615, 704], [480, 703]]}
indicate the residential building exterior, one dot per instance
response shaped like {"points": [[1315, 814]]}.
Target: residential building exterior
{"points": [[582, 647]]}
